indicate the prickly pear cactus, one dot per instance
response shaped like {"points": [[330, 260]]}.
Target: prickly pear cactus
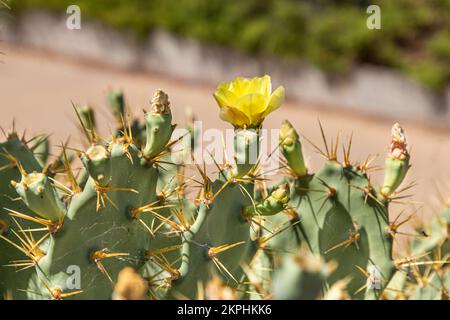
{"points": [[435, 237], [221, 239], [12, 280], [424, 274], [128, 216], [123, 216], [340, 215], [95, 231]]}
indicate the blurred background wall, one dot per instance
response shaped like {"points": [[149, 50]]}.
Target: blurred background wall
{"points": [[325, 52]]}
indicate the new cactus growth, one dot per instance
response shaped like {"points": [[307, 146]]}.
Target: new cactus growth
{"points": [[159, 125], [116, 101], [291, 149], [397, 162]]}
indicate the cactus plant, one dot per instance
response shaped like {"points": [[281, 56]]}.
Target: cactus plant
{"points": [[14, 148], [424, 273], [116, 213], [126, 217], [340, 215], [110, 214]]}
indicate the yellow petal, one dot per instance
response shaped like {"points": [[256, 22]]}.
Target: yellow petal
{"points": [[224, 97], [276, 100], [253, 106], [248, 100], [266, 86], [225, 86], [234, 116], [240, 86], [261, 85]]}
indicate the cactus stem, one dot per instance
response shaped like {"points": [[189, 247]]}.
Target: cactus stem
{"points": [[116, 101], [40, 195], [159, 127], [291, 148], [156, 159], [246, 152]]}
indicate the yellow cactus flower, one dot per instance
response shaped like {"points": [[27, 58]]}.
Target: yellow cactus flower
{"points": [[246, 102]]}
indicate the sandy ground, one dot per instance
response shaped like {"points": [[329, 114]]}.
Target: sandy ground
{"points": [[36, 89]]}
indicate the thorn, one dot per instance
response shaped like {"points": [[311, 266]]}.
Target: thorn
{"points": [[353, 237], [99, 255], [102, 194]]}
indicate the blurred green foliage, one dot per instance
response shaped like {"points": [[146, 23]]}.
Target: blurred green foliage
{"points": [[332, 34]]}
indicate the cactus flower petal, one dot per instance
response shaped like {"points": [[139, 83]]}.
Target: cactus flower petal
{"points": [[276, 100], [252, 105], [246, 102], [224, 97], [235, 116]]}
